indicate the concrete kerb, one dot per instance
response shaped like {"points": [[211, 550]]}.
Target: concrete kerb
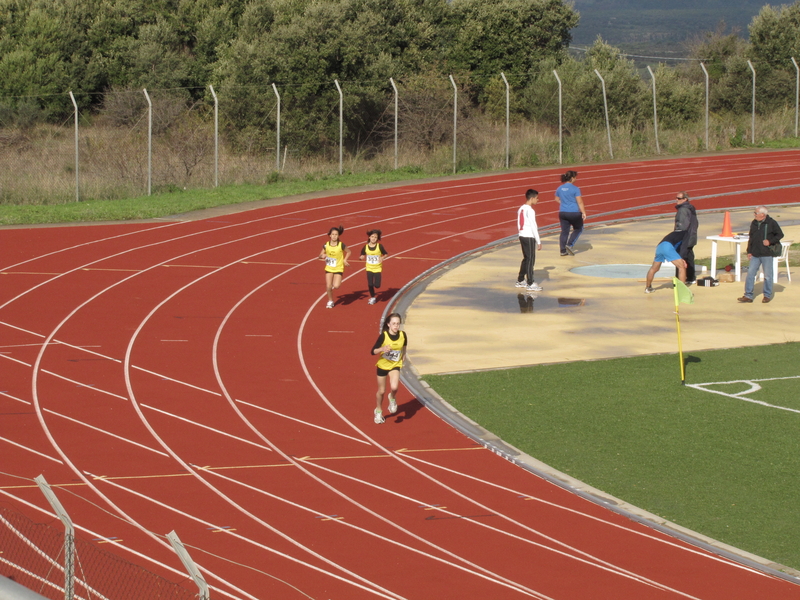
{"points": [[431, 400]]}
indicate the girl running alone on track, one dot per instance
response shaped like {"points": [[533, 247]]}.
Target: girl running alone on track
{"points": [[391, 345], [374, 253], [335, 255]]}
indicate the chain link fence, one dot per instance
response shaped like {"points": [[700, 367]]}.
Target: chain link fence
{"points": [[34, 555]]}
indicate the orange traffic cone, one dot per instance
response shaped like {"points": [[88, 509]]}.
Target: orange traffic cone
{"points": [[726, 225]]}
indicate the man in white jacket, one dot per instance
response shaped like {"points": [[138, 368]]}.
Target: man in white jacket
{"points": [[529, 240]]}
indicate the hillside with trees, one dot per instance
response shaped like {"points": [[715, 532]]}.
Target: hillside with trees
{"points": [[118, 57]]}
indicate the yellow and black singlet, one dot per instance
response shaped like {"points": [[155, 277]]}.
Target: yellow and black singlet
{"points": [[392, 359], [334, 257], [373, 256]]}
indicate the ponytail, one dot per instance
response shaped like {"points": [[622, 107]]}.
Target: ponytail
{"points": [[568, 175]]}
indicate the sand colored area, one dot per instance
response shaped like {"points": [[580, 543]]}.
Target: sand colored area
{"points": [[473, 317]]}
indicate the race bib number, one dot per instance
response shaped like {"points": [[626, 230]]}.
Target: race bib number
{"points": [[373, 259], [330, 262], [392, 355]]}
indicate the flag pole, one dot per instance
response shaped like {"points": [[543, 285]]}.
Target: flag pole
{"points": [[682, 294]]}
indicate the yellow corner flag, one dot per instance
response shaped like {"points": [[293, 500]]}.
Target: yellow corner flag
{"points": [[682, 293]]}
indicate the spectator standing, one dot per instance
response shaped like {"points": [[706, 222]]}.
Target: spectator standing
{"points": [[686, 220], [762, 247]]}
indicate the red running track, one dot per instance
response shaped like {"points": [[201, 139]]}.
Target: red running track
{"points": [[186, 376]]}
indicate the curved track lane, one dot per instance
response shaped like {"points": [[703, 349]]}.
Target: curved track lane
{"points": [[187, 376]]}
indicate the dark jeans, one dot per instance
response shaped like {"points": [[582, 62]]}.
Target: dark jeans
{"points": [[528, 258], [569, 219]]}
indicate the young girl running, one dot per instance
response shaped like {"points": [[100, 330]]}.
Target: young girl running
{"points": [[374, 253], [335, 255], [391, 345]]}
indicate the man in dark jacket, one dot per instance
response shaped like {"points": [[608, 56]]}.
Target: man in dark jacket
{"points": [[762, 247], [686, 220]]}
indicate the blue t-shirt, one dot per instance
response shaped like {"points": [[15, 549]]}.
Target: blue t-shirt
{"points": [[567, 192]]}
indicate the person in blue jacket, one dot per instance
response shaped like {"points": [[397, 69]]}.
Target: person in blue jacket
{"points": [[571, 212]]}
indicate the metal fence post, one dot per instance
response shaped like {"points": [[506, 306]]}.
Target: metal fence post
{"points": [[655, 111], [753, 123], [605, 106], [796, 95], [77, 152], [508, 113], [216, 135], [149, 142], [341, 122], [560, 123], [278, 131], [396, 95], [702, 66], [191, 567], [69, 537], [455, 120]]}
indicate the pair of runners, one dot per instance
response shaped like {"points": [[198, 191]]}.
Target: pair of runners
{"points": [[336, 254]]}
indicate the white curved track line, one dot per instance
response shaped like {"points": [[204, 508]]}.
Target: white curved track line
{"points": [[247, 540], [497, 530], [345, 523], [38, 359], [644, 534], [117, 544], [89, 243], [48, 433], [324, 484], [138, 408], [620, 570]]}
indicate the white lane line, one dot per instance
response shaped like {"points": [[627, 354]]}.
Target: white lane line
{"points": [[442, 509], [89, 386], [307, 423], [401, 459], [104, 431], [246, 540], [383, 538], [7, 395], [307, 472], [13, 443], [149, 559], [206, 427], [138, 408], [644, 534]]}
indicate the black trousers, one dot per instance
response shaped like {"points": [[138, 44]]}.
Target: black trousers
{"points": [[373, 281], [528, 258]]}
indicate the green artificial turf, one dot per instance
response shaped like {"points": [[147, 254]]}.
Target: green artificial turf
{"points": [[717, 465]]}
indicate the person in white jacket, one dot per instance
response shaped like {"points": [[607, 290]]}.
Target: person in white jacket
{"points": [[529, 240]]}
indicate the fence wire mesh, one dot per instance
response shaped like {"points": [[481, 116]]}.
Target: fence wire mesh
{"points": [[33, 555]]}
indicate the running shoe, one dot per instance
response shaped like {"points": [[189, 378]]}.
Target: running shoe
{"points": [[379, 416], [519, 284], [392, 405], [534, 288], [563, 254], [648, 290], [372, 301], [329, 304], [571, 250]]}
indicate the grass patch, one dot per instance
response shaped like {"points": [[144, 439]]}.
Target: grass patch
{"points": [[178, 201], [718, 465]]}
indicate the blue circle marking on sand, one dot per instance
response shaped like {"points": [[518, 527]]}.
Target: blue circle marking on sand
{"points": [[617, 271]]}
